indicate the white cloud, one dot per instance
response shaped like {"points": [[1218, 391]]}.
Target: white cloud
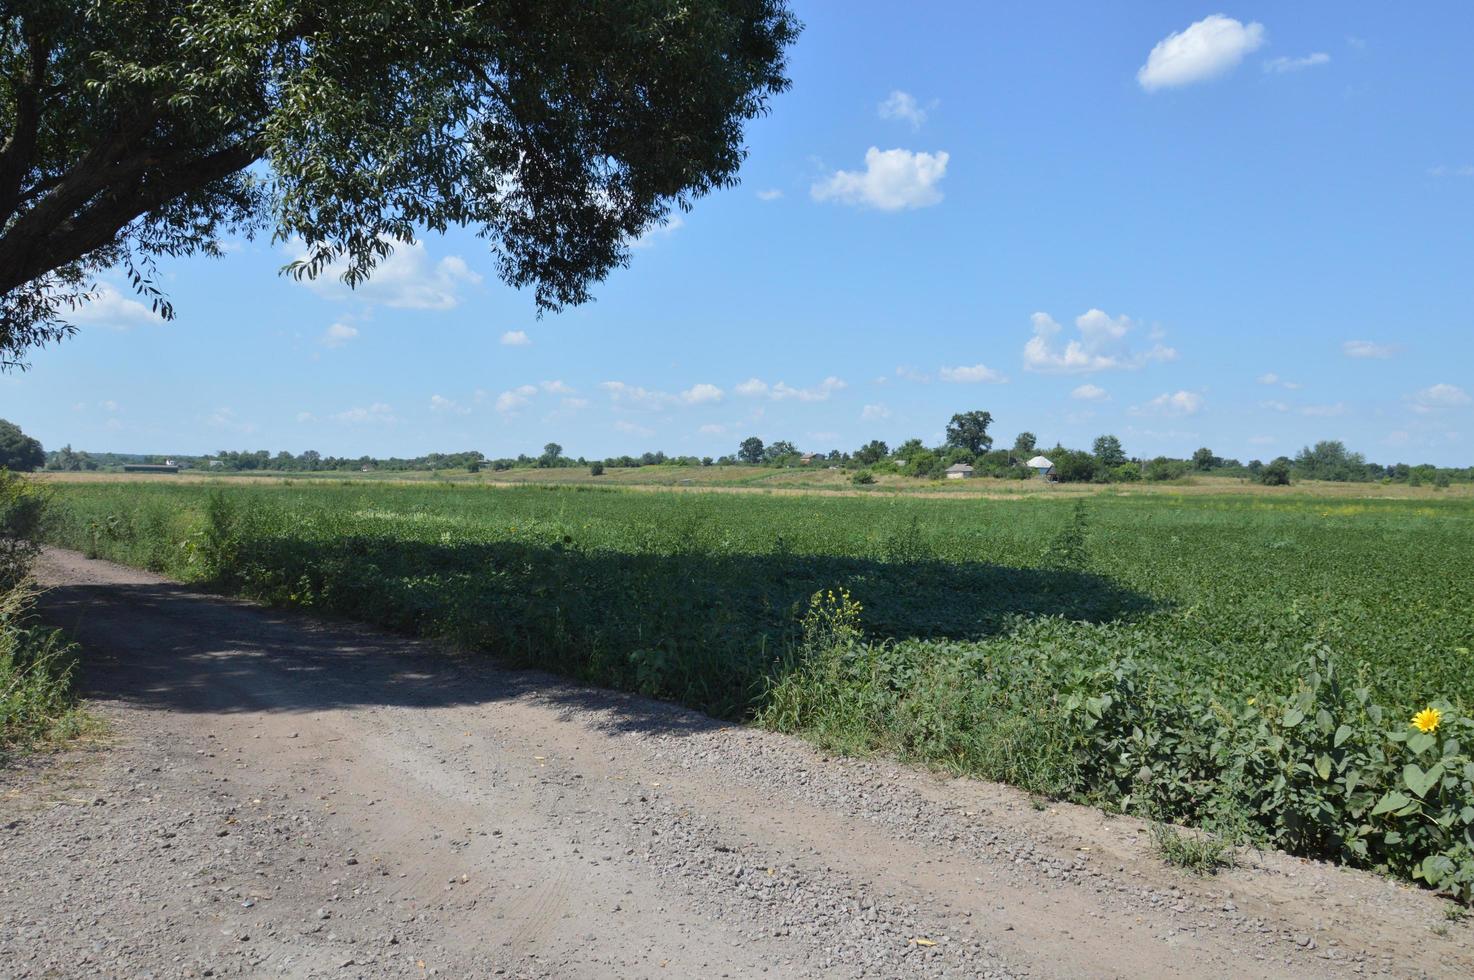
{"points": [[442, 405], [516, 338], [1281, 65], [874, 413], [1366, 348], [1444, 170], [782, 391], [770, 194], [556, 387], [902, 106], [306, 417], [893, 180], [1172, 403], [911, 374], [108, 406], [1275, 406], [378, 413], [225, 418], [650, 235], [631, 428], [635, 396], [1103, 345], [701, 394], [1089, 393], [1324, 411], [712, 429], [111, 309], [339, 334], [752, 388], [1438, 398], [407, 279], [1210, 47], [515, 399], [1269, 379], [972, 374]]}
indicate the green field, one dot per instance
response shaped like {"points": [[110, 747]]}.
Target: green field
{"points": [[1181, 656]]}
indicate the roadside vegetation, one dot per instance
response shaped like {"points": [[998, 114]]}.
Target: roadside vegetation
{"points": [[1278, 669], [36, 664]]}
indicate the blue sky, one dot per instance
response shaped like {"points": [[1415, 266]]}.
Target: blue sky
{"points": [[1245, 227]]}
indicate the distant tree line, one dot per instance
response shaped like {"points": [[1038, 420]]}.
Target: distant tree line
{"points": [[967, 441]]}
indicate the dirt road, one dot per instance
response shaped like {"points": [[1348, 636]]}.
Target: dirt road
{"points": [[284, 796]]}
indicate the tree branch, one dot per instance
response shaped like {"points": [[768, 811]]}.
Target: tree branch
{"points": [[16, 155]]}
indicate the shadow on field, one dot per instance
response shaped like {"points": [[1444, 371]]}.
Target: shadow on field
{"points": [[710, 631]]}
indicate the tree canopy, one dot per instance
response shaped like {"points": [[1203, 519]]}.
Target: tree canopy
{"points": [[559, 132], [969, 430], [19, 451]]}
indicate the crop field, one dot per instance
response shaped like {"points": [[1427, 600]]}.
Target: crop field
{"points": [[1246, 662]]}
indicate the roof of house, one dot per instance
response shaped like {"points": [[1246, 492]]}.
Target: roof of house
{"points": [[1039, 462], [959, 468]]}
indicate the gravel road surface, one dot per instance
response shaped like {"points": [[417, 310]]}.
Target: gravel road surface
{"points": [[286, 796]]}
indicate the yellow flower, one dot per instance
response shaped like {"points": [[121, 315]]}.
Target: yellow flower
{"points": [[1427, 719]]}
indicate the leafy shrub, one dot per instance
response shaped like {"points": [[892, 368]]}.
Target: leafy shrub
{"points": [[1276, 473], [596, 469], [864, 478]]}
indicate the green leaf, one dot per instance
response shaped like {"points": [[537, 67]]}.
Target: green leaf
{"points": [[1342, 734], [1392, 801], [1323, 766], [1292, 718], [1420, 743], [1421, 782]]}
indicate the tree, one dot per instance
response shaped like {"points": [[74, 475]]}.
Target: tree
{"points": [[559, 131], [1025, 443], [1276, 473], [780, 450], [18, 451], [1204, 460], [751, 450], [1108, 451], [1073, 466], [552, 454], [596, 469], [871, 453], [969, 430]]}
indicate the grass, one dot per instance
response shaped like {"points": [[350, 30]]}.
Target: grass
{"points": [[1196, 852], [1179, 655]]}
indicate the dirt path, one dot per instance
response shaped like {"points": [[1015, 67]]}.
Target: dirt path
{"points": [[291, 797]]}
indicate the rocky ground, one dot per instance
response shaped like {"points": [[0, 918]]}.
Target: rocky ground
{"points": [[280, 796]]}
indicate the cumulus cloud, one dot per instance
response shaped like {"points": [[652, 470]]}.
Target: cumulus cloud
{"points": [[769, 194], [911, 374], [1367, 349], [339, 334], [626, 426], [111, 309], [634, 396], [516, 338], [1089, 393], [1279, 66], [874, 413], [701, 394], [1438, 398], [515, 399], [902, 107], [1172, 403], [972, 374], [447, 406], [1212, 46], [376, 414], [893, 180], [407, 279], [1103, 345], [782, 391], [1274, 380]]}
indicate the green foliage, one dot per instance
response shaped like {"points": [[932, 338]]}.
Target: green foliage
{"points": [[596, 469], [1108, 452], [969, 430], [1024, 444], [22, 517], [1073, 466], [19, 453], [871, 453], [1200, 853], [751, 451], [559, 132], [1168, 656], [864, 478], [1276, 473]]}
